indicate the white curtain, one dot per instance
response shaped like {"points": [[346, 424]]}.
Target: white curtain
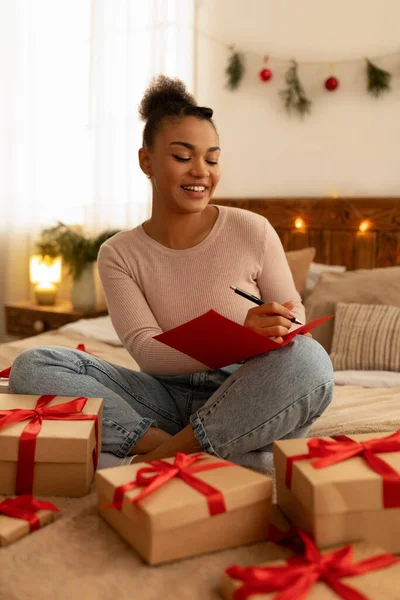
{"points": [[72, 74]]}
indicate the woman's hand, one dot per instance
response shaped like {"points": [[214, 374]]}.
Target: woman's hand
{"points": [[271, 319]]}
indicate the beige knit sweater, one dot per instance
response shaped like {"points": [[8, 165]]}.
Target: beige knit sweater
{"points": [[150, 288]]}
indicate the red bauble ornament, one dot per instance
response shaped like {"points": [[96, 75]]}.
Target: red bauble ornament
{"points": [[265, 74], [331, 84]]}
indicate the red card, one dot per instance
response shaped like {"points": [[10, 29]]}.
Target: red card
{"points": [[217, 341]]}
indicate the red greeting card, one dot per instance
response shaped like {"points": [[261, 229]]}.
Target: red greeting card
{"points": [[217, 341]]}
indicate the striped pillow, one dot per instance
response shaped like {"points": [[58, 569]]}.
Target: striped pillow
{"points": [[366, 337]]}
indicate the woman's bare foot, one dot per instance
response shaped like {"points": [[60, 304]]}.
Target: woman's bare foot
{"points": [[153, 438], [184, 441]]}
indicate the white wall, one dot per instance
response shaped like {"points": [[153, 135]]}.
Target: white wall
{"points": [[349, 144]]}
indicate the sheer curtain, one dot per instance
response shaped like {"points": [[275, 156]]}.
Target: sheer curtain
{"points": [[73, 73]]}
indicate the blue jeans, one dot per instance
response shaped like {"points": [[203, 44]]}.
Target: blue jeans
{"points": [[236, 412]]}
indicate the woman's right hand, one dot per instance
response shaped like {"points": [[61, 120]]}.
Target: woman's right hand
{"points": [[271, 319]]}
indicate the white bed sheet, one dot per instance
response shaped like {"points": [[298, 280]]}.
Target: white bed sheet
{"points": [[368, 379]]}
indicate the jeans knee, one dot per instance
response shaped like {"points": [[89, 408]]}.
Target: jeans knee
{"points": [[24, 369], [313, 361]]}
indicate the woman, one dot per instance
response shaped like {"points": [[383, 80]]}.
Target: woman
{"points": [[170, 269]]}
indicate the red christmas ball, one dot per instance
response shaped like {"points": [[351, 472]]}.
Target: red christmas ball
{"points": [[265, 74], [331, 84]]}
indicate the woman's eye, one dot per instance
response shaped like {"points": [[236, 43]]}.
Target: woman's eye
{"points": [[211, 162], [180, 158]]}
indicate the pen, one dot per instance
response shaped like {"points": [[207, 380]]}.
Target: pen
{"points": [[258, 301]]}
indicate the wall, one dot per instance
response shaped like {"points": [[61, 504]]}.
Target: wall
{"points": [[349, 144]]}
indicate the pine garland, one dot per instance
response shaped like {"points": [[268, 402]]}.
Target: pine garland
{"points": [[234, 70], [294, 96], [378, 79]]}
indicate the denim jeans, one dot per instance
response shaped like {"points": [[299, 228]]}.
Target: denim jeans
{"points": [[236, 412]]}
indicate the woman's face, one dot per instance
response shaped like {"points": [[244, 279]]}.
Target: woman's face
{"points": [[184, 164]]}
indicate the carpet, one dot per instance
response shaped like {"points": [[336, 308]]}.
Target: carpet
{"points": [[80, 557]]}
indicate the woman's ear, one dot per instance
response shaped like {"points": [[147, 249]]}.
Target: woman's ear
{"points": [[145, 162]]}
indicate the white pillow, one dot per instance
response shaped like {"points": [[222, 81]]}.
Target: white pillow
{"points": [[315, 271]]}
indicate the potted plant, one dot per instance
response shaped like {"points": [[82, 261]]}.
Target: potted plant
{"points": [[79, 252]]}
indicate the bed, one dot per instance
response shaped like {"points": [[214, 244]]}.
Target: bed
{"points": [[77, 549], [365, 400]]}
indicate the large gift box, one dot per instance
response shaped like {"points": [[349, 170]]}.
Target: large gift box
{"points": [[22, 515], [342, 489], [49, 444], [184, 506], [361, 572]]}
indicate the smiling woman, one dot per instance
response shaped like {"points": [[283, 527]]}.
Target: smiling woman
{"points": [[175, 266]]}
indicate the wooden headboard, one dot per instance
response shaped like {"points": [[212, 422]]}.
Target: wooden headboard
{"points": [[332, 226]]}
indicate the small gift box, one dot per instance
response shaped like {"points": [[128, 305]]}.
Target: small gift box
{"points": [[184, 506], [22, 515], [49, 444], [342, 489], [361, 572]]}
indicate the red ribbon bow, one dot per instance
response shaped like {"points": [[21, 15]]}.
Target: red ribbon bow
{"points": [[68, 411], [160, 472], [25, 507], [295, 579], [343, 448]]}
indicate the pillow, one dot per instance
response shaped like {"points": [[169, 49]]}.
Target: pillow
{"points": [[364, 286], [366, 337], [315, 271], [299, 263]]}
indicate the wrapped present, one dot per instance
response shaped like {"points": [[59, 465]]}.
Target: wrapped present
{"points": [[342, 489], [49, 444], [361, 572], [22, 515], [184, 506]]}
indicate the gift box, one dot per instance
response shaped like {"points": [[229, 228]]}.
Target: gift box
{"points": [[49, 444], [184, 506], [23, 515], [361, 572], [342, 489]]}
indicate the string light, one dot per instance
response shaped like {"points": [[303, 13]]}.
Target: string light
{"points": [[299, 223], [364, 226]]}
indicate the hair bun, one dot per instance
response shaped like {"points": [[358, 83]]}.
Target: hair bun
{"points": [[163, 90]]}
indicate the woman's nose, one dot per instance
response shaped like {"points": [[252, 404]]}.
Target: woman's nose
{"points": [[199, 168]]}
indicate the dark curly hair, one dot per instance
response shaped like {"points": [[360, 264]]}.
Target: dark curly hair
{"points": [[168, 98]]}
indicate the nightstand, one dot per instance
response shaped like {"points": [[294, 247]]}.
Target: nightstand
{"points": [[24, 319]]}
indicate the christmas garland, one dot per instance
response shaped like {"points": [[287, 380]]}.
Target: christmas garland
{"points": [[294, 96]]}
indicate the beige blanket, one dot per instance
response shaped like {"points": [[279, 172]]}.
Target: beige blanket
{"points": [[80, 557]]}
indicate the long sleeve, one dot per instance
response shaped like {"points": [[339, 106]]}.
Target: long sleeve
{"points": [[134, 321]]}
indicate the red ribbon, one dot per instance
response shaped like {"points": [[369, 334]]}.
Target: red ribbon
{"points": [[343, 448], [68, 411], [160, 472], [5, 373], [295, 579], [25, 507]]}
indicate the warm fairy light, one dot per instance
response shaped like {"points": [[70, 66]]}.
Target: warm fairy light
{"points": [[364, 226], [299, 223]]}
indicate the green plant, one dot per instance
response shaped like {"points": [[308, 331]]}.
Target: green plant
{"points": [[73, 245]]}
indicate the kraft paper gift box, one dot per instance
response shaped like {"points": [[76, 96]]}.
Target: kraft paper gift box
{"points": [[32, 514], [174, 521], [60, 460], [381, 582], [346, 501]]}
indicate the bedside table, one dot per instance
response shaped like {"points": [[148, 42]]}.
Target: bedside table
{"points": [[24, 319]]}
